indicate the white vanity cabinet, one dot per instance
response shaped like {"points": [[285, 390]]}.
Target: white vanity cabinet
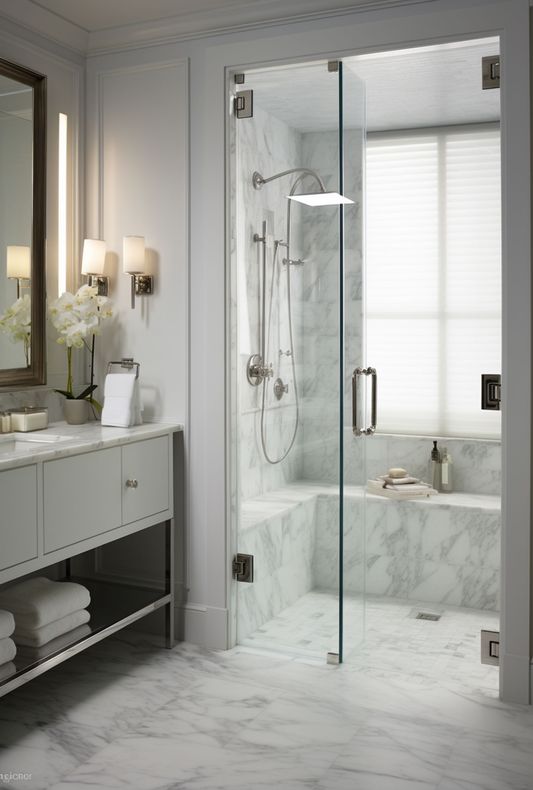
{"points": [[145, 489], [104, 490], [18, 516], [82, 497], [87, 487]]}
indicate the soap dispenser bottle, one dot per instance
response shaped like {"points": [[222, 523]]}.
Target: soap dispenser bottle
{"points": [[446, 478], [434, 469]]}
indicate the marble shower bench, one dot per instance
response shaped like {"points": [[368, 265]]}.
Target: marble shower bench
{"points": [[444, 549]]}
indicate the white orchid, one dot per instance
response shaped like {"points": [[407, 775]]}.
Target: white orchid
{"points": [[77, 319], [16, 323]]}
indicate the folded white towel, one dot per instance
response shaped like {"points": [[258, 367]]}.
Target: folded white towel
{"points": [[59, 643], [8, 650], [399, 481], [7, 624], [379, 488], [6, 670], [42, 636], [122, 400], [39, 601]]}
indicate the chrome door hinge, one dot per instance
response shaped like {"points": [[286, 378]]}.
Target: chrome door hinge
{"points": [[333, 66], [490, 72], [491, 391], [490, 647], [243, 568], [243, 104]]}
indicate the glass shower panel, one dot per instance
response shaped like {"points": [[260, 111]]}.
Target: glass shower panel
{"points": [[358, 380], [286, 321]]}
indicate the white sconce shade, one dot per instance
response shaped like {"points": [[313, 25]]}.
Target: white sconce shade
{"points": [[19, 263], [93, 258], [133, 255]]}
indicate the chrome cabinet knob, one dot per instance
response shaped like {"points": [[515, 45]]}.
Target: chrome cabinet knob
{"points": [[132, 483]]}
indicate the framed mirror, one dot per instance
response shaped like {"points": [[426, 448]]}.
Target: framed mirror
{"points": [[22, 226]]}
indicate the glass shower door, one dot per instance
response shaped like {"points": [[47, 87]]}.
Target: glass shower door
{"points": [[359, 382], [289, 284]]}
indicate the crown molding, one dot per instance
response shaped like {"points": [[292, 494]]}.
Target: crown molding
{"points": [[238, 16], [46, 25]]}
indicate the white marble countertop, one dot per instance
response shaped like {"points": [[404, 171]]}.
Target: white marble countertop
{"points": [[60, 440]]}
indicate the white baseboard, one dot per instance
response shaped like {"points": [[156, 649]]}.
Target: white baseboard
{"points": [[516, 677], [206, 626]]}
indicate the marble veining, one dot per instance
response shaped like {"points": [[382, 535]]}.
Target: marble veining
{"points": [[445, 549], [82, 438], [128, 714]]}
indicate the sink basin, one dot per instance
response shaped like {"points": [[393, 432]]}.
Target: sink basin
{"points": [[30, 442], [41, 438]]}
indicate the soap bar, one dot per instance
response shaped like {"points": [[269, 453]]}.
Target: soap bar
{"points": [[29, 419], [397, 471]]}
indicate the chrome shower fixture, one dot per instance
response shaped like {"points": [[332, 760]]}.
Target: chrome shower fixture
{"points": [[320, 198], [258, 180]]}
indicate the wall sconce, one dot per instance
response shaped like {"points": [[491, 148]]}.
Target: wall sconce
{"points": [[18, 266], [92, 265], [134, 264]]}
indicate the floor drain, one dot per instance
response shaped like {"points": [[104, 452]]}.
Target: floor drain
{"points": [[427, 616]]}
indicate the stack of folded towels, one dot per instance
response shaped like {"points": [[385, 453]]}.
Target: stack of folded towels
{"points": [[399, 484], [45, 611], [8, 649]]}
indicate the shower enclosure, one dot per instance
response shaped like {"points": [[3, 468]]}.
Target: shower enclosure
{"points": [[296, 331], [335, 357]]}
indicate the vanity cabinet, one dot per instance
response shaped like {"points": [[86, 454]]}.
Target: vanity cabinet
{"points": [[18, 516], [103, 490], [145, 489], [95, 486], [81, 497]]}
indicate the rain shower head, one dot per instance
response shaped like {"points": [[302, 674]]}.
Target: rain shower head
{"points": [[320, 198]]}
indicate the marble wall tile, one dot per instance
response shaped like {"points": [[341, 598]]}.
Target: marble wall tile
{"points": [[283, 545], [34, 397]]}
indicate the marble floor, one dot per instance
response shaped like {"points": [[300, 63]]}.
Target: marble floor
{"points": [[127, 714], [445, 651]]}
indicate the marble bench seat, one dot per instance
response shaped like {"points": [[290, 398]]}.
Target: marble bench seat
{"points": [[441, 549]]}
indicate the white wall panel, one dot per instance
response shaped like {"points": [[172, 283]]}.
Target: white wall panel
{"points": [[142, 188]]}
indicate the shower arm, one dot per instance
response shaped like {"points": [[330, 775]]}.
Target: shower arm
{"points": [[258, 180]]}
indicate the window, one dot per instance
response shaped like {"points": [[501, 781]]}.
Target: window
{"points": [[434, 277]]}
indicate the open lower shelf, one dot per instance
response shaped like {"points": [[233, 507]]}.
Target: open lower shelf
{"points": [[113, 606]]}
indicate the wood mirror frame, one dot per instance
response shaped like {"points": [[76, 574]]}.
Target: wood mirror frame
{"points": [[35, 373]]}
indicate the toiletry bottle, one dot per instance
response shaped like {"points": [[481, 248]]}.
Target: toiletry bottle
{"points": [[434, 468], [446, 478]]}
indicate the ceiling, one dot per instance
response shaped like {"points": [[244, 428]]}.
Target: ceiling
{"points": [[430, 86]]}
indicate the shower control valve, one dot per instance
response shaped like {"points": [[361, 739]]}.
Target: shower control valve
{"points": [[257, 371]]}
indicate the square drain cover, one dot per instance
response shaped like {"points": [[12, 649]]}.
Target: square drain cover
{"points": [[427, 616]]}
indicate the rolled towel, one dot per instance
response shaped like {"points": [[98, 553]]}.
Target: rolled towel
{"points": [[8, 650], [6, 670], [37, 637], [39, 601], [59, 643], [7, 624]]}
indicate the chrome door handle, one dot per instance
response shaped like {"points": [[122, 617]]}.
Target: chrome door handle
{"points": [[357, 430]]}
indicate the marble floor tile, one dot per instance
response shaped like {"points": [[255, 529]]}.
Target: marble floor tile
{"points": [[127, 714]]}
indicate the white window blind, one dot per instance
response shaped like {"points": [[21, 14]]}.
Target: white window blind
{"points": [[433, 278]]}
